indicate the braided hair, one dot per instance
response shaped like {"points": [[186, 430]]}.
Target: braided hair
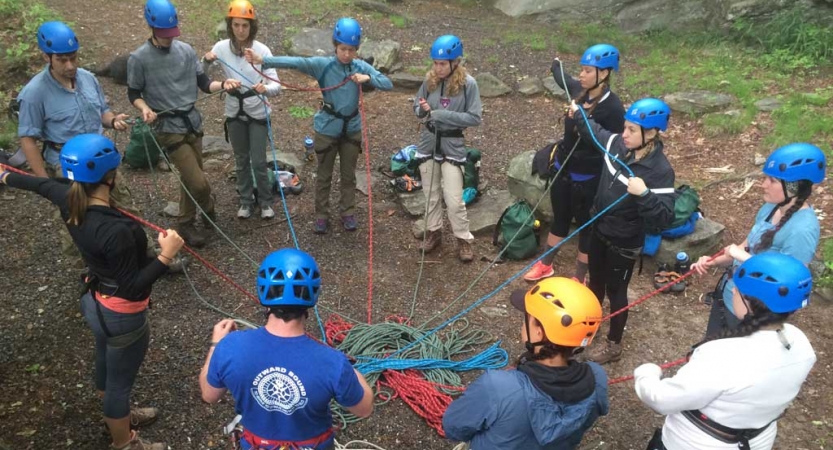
{"points": [[758, 317], [804, 189]]}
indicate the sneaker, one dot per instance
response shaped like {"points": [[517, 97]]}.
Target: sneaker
{"points": [[349, 223], [266, 212], [139, 444], [191, 236], [245, 212], [604, 352], [142, 417], [539, 271], [320, 226]]}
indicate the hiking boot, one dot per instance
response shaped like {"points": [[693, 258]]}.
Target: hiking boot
{"points": [[244, 212], [349, 223], [320, 226], [139, 444], [191, 236], [465, 253], [142, 417], [604, 352], [267, 213], [539, 271], [431, 241]]}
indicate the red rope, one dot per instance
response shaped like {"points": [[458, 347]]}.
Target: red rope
{"points": [[299, 88], [420, 394], [662, 289], [663, 367]]}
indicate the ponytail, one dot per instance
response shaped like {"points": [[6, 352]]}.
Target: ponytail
{"points": [[805, 188], [758, 317], [77, 200]]}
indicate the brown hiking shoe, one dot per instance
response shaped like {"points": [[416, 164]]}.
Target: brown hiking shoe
{"points": [[191, 235], [431, 241], [139, 444], [603, 352], [142, 417], [465, 252]]}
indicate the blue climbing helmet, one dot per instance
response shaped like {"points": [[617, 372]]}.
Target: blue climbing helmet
{"points": [[56, 38], [348, 31], [447, 47], [288, 277], [649, 113], [161, 14], [601, 56], [87, 158], [780, 281], [796, 162]]}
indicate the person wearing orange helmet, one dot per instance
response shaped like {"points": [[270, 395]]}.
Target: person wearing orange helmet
{"points": [[550, 400], [246, 109]]}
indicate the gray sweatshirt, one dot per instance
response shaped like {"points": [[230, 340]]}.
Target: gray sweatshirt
{"points": [[448, 113]]}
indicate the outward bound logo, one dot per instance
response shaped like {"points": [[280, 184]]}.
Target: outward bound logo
{"points": [[279, 389]]}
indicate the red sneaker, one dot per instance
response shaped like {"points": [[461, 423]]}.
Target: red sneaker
{"points": [[538, 272]]}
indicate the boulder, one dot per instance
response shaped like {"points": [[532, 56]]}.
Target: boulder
{"points": [[485, 212], [405, 80], [706, 240], [491, 86], [698, 101], [523, 184], [171, 209], [412, 202], [361, 180], [311, 42], [530, 86], [768, 104], [213, 145], [287, 158], [554, 89], [385, 54]]}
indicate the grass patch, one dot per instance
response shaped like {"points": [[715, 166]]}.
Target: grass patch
{"points": [[800, 120], [399, 21], [301, 112], [717, 124], [19, 25]]}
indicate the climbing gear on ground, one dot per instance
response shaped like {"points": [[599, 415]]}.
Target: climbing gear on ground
{"points": [[567, 310], [664, 276], [447, 48], [87, 158], [403, 161], [285, 180], [288, 277], [471, 172], [406, 184], [517, 222], [56, 38], [781, 282]]}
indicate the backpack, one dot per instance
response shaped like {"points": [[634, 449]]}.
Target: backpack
{"points": [[686, 214], [402, 162], [686, 203], [471, 175], [517, 218], [135, 155]]}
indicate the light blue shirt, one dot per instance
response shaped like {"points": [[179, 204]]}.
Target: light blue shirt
{"points": [[799, 238], [50, 112], [330, 72]]}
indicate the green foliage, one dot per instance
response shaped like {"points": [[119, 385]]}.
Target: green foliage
{"points": [[399, 21], [800, 120], [826, 279], [301, 112], [19, 22]]}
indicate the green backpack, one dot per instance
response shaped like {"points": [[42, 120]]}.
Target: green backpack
{"points": [[135, 155], [517, 218], [471, 170], [686, 203]]}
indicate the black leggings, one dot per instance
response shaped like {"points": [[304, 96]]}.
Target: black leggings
{"points": [[115, 366], [572, 199], [610, 273]]}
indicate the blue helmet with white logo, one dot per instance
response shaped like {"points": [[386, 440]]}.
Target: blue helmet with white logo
{"points": [[288, 277], [56, 38], [161, 14], [601, 56], [649, 113], [348, 31], [796, 162], [448, 47], [780, 281], [87, 158]]}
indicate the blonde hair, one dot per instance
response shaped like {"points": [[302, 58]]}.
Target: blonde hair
{"points": [[455, 83], [78, 198]]}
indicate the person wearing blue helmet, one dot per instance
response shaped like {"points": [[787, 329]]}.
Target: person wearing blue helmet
{"points": [[120, 275], [786, 223], [281, 379], [447, 103], [59, 103], [738, 383], [338, 125], [579, 161], [618, 235], [163, 77]]}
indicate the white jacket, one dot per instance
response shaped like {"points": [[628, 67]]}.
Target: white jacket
{"points": [[253, 106]]}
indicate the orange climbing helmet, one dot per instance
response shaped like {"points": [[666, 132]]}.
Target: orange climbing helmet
{"points": [[568, 310], [241, 9]]}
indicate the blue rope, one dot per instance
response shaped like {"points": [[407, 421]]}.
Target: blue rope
{"points": [[493, 357], [275, 162]]}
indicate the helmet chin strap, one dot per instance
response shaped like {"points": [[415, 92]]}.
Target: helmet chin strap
{"points": [[453, 68], [530, 346]]}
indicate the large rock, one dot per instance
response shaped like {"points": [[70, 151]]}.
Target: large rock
{"points": [[213, 145], [385, 54], [523, 184], [311, 42], [484, 214], [768, 104], [555, 89], [516, 8], [287, 158], [698, 102], [706, 240], [405, 80], [491, 86], [530, 86], [412, 202], [361, 180]]}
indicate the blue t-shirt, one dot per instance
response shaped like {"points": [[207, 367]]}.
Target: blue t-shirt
{"points": [[283, 386], [51, 112], [799, 238]]}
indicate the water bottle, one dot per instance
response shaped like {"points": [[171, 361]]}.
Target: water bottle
{"points": [[683, 264], [309, 151]]}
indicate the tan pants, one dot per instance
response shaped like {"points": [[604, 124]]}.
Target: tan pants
{"points": [[326, 150], [185, 152], [445, 184]]}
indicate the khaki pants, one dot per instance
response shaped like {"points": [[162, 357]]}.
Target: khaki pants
{"points": [[326, 150], [185, 152], [444, 181]]}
